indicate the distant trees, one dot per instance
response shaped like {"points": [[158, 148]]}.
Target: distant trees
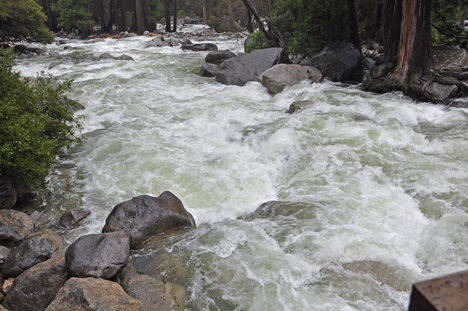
{"points": [[23, 20]]}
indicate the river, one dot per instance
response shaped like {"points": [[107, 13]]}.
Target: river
{"points": [[382, 180]]}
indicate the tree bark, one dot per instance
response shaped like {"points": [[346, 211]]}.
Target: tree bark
{"points": [[257, 18], [123, 15], [139, 17], [353, 23], [391, 29], [249, 19], [205, 17], [174, 29], [415, 52], [167, 14]]}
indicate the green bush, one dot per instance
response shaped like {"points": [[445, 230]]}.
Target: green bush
{"points": [[257, 41], [211, 21], [36, 124]]}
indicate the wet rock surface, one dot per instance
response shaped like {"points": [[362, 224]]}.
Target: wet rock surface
{"points": [[217, 57], [73, 217], [14, 227], [145, 216], [36, 288], [276, 78], [98, 255], [93, 294], [248, 67]]}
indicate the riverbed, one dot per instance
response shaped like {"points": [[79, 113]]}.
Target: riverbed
{"points": [[380, 180]]}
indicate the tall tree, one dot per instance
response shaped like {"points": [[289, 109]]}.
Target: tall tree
{"points": [[353, 25], [139, 17], [167, 14]]}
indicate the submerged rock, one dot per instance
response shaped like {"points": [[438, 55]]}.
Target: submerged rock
{"points": [[92, 294], [98, 255], [14, 227], [73, 217], [248, 67], [381, 272], [298, 105], [276, 78], [155, 294], [145, 216], [36, 288]]}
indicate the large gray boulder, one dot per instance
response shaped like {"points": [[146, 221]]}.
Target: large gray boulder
{"points": [[199, 47], [14, 227], [338, 61], [156, 295], [98, 255], [36, 288], [29, 252], [248, 67], [145, 216], [217, 57], [279, 76], [7, 193], [93, 294]]}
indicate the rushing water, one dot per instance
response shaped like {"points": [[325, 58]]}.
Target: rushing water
{"points": [[382, 180]]}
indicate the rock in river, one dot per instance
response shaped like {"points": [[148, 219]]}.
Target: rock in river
{"points": [[145, 216]]}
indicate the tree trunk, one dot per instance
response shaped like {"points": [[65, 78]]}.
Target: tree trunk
{"points": [[257, 18], [123, 15], [391, 29], [353, 23], [174, 29], [205, 17], [139, 17], [167, 14], [102, 15], [146, 14], [249, 19], [415, 52]]}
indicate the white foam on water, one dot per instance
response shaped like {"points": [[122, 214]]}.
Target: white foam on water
{"points": [[387, 176]]}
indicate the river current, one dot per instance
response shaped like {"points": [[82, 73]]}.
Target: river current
{"points": [[380, 182]]}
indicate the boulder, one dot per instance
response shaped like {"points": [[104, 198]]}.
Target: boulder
{"points": [[338, 61], [125, 57], [217, 57], [14, 227], [98, 255], [452, 61], [442, 91], [276, 78], [7, 193], [200, 47], [298, 105], [208, 70], [26, 198], [73, 217], [36, 288], [145, 216], [93, 294], [248, 67], [282, 209], [155, 294], [54, 53], [29, 252], [225, 24], [53, 65], [52, 237], [4, 251], [106, 56]]}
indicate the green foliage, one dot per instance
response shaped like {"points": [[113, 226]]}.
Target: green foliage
{"points": [[447, 18], [211, 21], [74, 14], [311, 24], [181, 14], [36, 124], [257, 41], [23, 20]]}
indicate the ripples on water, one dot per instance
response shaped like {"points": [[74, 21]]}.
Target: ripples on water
{"points": [[382, 180]]}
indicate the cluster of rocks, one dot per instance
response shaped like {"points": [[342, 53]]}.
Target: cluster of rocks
{"points": [[94, 272], [272, 67]]}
